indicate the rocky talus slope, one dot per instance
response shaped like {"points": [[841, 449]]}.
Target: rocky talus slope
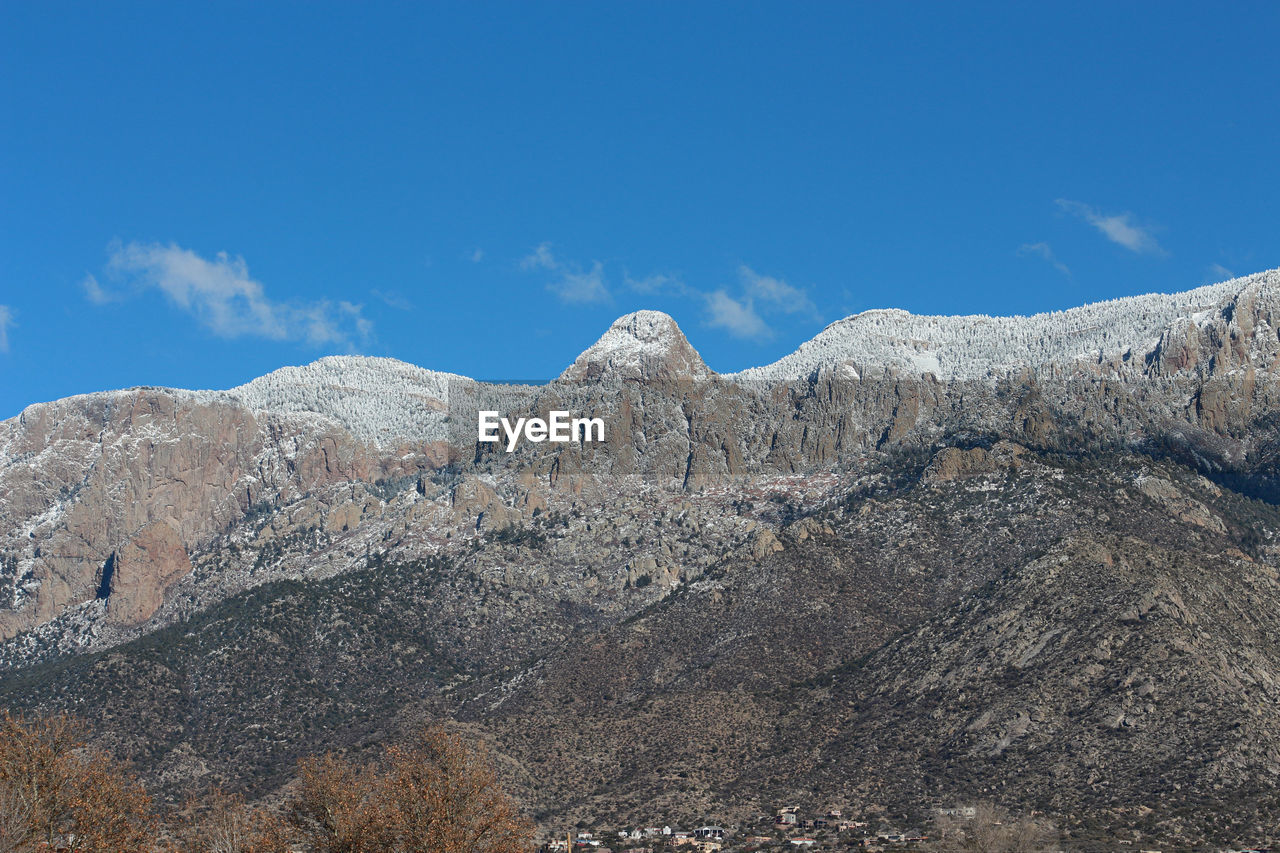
{"points": [[1032, 560]]}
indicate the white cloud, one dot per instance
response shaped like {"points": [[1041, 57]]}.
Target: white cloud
{"points": [[1119, 228], [573, 284], [581, 286], [776, 292], [658, 283], [760, 295], [1043, 250], [738, 317], [322, 323], [477, 256], [392, 299], [540, 259], [648, 284], [220, 294], [6, 322], [1220, 273], [95, 292]]}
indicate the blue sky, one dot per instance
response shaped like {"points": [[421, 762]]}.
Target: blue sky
{"points": [[195, 194]]}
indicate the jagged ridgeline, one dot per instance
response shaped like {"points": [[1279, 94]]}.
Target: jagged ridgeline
{"points": [[920, 559]]}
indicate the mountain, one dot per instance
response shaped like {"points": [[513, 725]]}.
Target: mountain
{"points": [[375, 399], [1218, 328], [645, 345], [1035, 631], [920, 560]]}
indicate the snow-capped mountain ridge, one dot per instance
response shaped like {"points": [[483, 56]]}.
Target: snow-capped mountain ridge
{"points": [[1231, 324], [377, 399], [976, 346], [380, 400]]}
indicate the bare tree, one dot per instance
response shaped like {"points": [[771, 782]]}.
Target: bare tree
{"points": [[993, 829], [15, 816], [56, 791], [445, 797], [224, 823], [435, 794], [339, 807]]}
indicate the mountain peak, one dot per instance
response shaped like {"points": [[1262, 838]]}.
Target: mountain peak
{"points": [[377, 399], [640, 345]]}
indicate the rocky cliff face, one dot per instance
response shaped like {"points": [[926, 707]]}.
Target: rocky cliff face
{"points": [[134, 578], [141, 478]]}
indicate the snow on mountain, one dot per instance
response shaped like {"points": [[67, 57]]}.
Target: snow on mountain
{"points": [[383, 400], [641, 345], [977, 346], [376, 399]]}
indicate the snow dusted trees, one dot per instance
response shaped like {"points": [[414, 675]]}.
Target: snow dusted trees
{"points": [[977, 346], [377, 399]]}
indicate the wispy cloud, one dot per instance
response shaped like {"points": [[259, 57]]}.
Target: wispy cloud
{"points": [[95, 292], [6, 322], [777, 293], [586, 286], [736, 316], [1119, 228], [572, 283], [658, 283], [539, 259], [477, 256], [741, 310], [1043, 250], [223, 298], [1220, 273], [743, 315], [392, 299]]}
